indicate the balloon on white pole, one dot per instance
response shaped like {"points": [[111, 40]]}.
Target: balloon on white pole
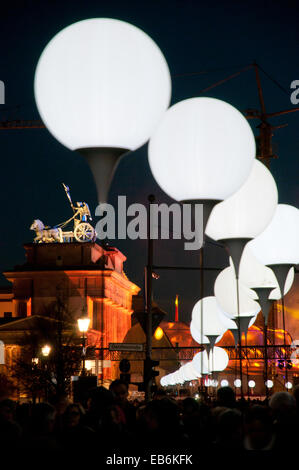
{"points": [[276, 294], [277, 246], [201, 363], [225, 289], [218, 360], [101, 86], [205, 313]]}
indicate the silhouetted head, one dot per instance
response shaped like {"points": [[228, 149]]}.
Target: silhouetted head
{"points": [[258, 423], [120, 390], [226, 397]]}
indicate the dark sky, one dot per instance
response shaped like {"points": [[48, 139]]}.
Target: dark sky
{"points": [[220, 37]]}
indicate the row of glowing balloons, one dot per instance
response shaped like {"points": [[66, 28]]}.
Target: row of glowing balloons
{"points": [[103, 88]]}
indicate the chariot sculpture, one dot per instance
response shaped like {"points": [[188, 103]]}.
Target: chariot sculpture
{"points": [[82, 231]]}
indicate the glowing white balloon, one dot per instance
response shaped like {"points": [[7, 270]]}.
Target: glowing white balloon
{"points": [[212, 325], [254, 274], [203, 148], [278, 243], [102, 82], [269, 383], [237, 383], [248, 211], [225, 289], [189, 372], [251, 383], [198, 337], [218, 359], [224, 383], [200, 363]]}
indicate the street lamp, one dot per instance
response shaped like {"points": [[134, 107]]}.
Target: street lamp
{"points": [[83, 325], [101, 86], [46, 349]]}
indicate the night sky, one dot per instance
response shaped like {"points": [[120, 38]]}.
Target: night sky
{"points": [[215, 37]]}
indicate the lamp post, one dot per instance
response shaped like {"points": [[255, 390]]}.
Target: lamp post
{"points": [[83, 325], [45, 350]]}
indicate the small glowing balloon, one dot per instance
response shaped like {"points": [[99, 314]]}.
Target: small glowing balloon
{"points": [[249, 210], [225, 289], [288, 385], [251, 383], [203, 148], [199, 338], [200, 363], [218, 359], [237, 383], [269, 383], [189, 372], [102, 82], [254, 274], [278, 243], [275, 294], [224, 383], [208, 308]]}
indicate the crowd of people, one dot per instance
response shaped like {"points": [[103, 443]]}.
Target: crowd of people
{"points": [[108, 422]]}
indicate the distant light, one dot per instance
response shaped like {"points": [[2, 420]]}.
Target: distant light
{"points": [[251, 383], [214, 383], [159, 333], [83, 324], [35, 360], [196, 396], [224, 383], [288, 385], [237, 383], [269, 383], [46, 350]]}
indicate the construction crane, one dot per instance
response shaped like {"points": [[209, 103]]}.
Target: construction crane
{"points": [[266, 130], [22, 124]]}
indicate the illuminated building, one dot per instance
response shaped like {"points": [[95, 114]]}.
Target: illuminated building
{"points": [[86, 277]]}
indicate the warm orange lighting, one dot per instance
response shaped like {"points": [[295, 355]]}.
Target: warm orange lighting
{"points": [[256, 364], [159, 333]]}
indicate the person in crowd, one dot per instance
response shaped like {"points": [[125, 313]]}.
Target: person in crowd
{"points": [[284, 414], [74, 433], [226, 397], [41, 432], [10, 430], [120, 391], [229, 430]]}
